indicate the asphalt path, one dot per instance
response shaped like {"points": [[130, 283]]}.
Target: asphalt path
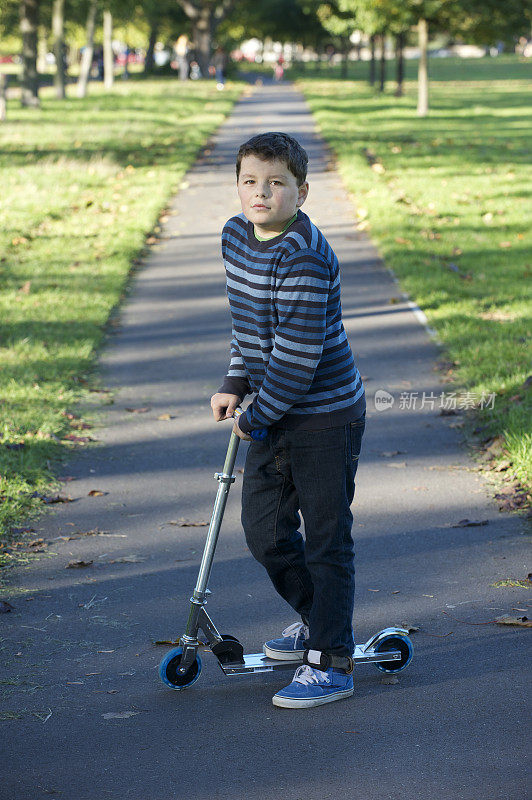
{"points": [[84, 714]]}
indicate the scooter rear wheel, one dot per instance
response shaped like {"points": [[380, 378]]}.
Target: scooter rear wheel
{"points": [[395, 642], [169, 670]]}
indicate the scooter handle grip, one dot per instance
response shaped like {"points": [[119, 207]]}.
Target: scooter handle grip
{"points": [[257, 435]]}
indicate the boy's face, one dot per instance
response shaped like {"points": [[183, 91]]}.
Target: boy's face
{"points": [[269, 194]]}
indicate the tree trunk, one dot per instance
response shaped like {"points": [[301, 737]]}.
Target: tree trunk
{"points": [[29, 21], [86, 58], [202, 36], [372, 61], [149, 62], [423, 78], [382, 80], [58, 29], [3, 97], [108, 56], [345, 60], [399, 63], [42, 50]]}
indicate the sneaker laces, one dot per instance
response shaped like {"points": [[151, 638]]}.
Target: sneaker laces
{"points": [[294, 631], [308, 675]]}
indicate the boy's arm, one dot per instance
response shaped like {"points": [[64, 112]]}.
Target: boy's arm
{"points": [[234, 388], [301, 305], [236, 381]]}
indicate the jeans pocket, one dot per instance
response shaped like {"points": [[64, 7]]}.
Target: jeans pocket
{"points": [[357, 431]]}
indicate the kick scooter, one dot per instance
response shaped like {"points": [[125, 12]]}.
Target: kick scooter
{"points": [[390, 649]]}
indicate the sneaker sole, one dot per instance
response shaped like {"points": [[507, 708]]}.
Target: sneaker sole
{"points": [[283, 655], [290, 702]]}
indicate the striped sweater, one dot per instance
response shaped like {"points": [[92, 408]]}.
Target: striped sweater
{"points": [[288, 341]]}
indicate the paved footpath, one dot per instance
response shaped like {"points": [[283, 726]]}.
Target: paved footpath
{"points": [[78, 645]]}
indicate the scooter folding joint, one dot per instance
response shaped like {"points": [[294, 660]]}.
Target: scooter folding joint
{"points": [[222, 478]]}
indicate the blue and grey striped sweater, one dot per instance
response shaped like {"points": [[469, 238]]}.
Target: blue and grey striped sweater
{"points": [[289, 344]]}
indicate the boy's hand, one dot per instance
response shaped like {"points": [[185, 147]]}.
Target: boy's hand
{"points": [[224, 405], [240, 433]]}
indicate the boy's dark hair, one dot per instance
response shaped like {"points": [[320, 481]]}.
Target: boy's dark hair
{"points": [[268, 146]]}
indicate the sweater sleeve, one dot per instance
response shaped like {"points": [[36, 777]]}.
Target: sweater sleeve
{"points": [[302, 291], [236, 381]]}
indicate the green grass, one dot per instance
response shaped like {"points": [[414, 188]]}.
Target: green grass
{"points": [[448, 204], [83, 183]]}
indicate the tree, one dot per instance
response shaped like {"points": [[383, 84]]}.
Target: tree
{"points": [[340, 25], [205, 16], [108, 55], [58, 30], [86, 59], [29, 22], [487, 22], [166, 21]]}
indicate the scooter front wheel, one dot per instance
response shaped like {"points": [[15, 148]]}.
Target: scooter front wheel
{"points": [[169, 670]]}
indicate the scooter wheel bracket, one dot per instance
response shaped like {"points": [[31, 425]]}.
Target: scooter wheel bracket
{"points": [[229, 651]]}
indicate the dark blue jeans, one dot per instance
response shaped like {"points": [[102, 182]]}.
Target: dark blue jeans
{"points": [[312, 472]]}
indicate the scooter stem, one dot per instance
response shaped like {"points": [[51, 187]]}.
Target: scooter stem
{"points": [[225, 479]]}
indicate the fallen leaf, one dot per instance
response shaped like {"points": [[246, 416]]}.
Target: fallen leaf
{"points": [[522, 622], [505, 244], [408, 627], [78, 564], [504, 465], [516, 583], [22, 530], [49, 500], [142, 410], [72, 437], [97, 493], [127, 560], [164, 417], [6, 607], [470, 523], [166, 642], [119, 714], [496, 446]]}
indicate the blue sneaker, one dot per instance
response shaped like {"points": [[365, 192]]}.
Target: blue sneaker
{"points": [[290, 647], [313, 687]]}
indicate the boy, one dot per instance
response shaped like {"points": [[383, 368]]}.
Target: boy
{"points": [[290, 348]]}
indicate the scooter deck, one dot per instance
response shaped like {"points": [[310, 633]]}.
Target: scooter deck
{"points": [[258, 662]]}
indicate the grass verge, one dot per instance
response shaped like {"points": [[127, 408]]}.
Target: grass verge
{"points": [[445, 200], [84, 183]]}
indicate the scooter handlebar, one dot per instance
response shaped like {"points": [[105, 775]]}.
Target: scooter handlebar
{"points": [[257, 435]]}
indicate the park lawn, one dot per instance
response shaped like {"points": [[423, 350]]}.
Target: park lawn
{"points": [[447, 201], [83, 185]]}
